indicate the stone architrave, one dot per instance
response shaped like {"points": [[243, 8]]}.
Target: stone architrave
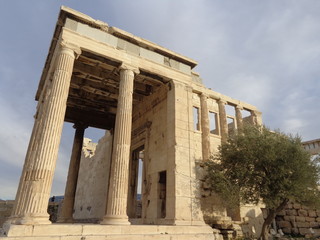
{"points": [[66, 214], [223, 120], [36, 180], [205, 127], [239, 116], [116, 211]]}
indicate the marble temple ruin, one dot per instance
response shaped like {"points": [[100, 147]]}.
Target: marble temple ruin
{"points": [[158, 116]]}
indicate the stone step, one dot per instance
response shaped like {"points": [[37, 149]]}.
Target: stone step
{"points": [[110, 232], [124, 237]]}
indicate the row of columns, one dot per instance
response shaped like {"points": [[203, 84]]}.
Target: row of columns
{"points": [[205, 123], [38, 170]]}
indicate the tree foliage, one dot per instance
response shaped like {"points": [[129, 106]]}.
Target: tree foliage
{"points": [[256, 164]]}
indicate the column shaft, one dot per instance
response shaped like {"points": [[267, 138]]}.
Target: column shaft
{"points": [[223, 120], [35, 184], [116, 212], [239, 117], [32, 145], [66, 214], [205, 127]]}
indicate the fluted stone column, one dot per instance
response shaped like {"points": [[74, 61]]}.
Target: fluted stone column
{"points": [[71, 186], [31, 146], [239, 117], [36, 180], [205, 127], [116, 211], [223, 120]]}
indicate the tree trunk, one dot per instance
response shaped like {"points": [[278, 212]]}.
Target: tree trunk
{"points": [[271, 215]]}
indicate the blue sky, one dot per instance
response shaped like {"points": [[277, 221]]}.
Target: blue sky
{"points": [[266, 53]]}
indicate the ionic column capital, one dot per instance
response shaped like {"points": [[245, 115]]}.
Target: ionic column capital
{"points": [[204, 95], [133, 69], [239, 107], [222, 101], [70, 48]]}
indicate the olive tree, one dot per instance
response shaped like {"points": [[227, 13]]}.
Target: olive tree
{"points": [[258, 165]]}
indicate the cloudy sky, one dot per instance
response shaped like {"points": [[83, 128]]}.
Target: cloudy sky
{"points": [[265, 52]]}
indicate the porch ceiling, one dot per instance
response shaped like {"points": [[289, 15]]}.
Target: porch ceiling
{"points": [[94, 90]]}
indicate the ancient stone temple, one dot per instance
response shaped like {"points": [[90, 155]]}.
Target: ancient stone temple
{"points": [[159, 118]]}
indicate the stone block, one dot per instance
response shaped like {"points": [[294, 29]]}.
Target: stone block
{"points": [[72, 238], [300, 219], [97, 229], [318, 213], [174, 64], [302, 224], [128, 47], [314, 224], [19, 230], [304, 231], [183, 208], [316, 232], [282, 213], [286, 230], [284, 224], [132, 48], [71, 24], [111, 40], [296, 205], [57, 230], [185, 68], [304, 207], [310, 219], [95, 238], [302, 212], [121, 44], [153, 56], [318, 219], [312, 213], [291, 212], [295, 230], [91, 32], [289, 218]]}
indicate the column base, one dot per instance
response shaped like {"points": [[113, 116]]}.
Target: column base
{"points": [[115, 220], [29, 220]]}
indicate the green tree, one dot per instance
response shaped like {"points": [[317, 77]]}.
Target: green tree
{"points": [[258, 165]]}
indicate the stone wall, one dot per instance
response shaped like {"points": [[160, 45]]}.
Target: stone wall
{"points": [[298, 220], [92, 186], [150, 132], [5, 210], [245, 220]]}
